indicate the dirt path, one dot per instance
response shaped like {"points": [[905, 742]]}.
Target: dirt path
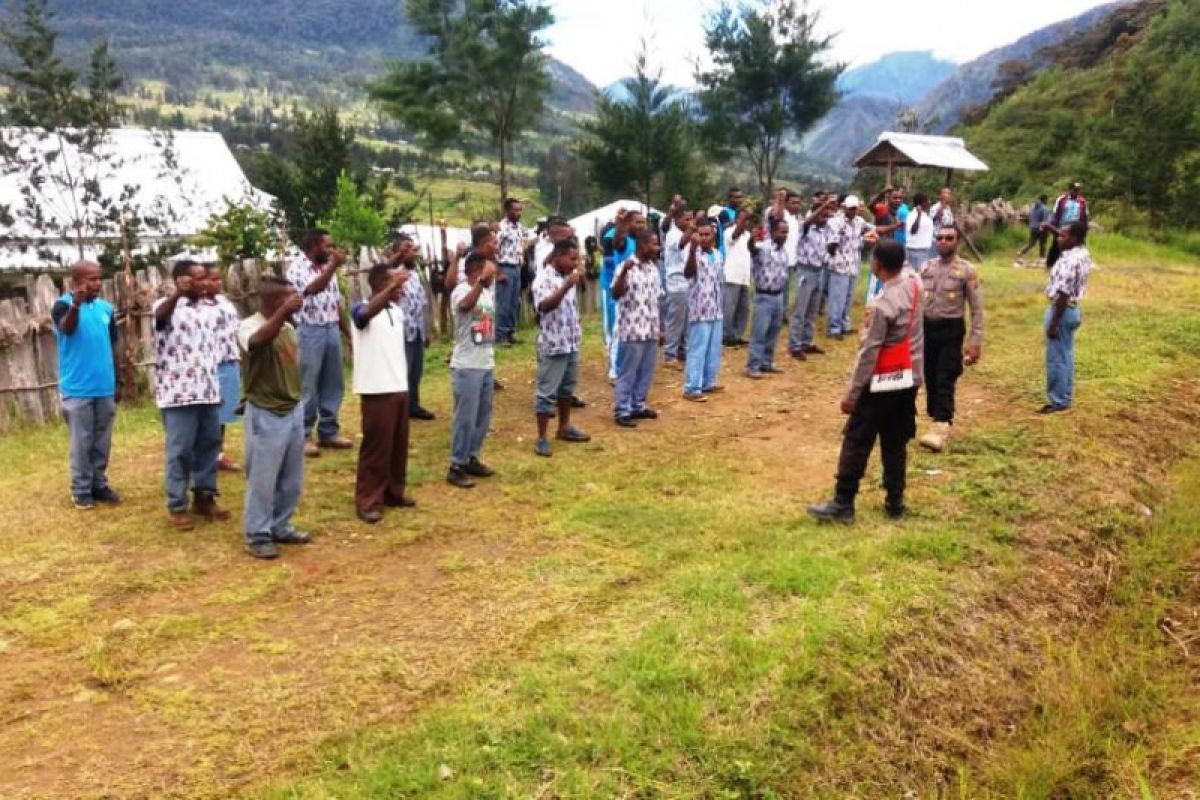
{"points": [[137, 662]]}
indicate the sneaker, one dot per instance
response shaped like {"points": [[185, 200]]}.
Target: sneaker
{"points": [[291, 536], [478, 469], [83, 502], [227, 464], [399, 502], [371, 516], [106, 495], [935, 438], [798, 355], [310, 449], [421, 414], [773, 370], [542, 448], [695, 397], [336, 443], [626, 422], [1050, 408], [497, 385], [645, 413], [573, 434], [578, 402], [894, 510], [754, 375], [264, 550], [714, 389], [833, 511], [457, 476], [181, 520], [205, 505], [813, 350]]}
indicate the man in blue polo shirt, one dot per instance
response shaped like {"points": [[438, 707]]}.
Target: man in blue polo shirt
{"points": [[85, 329]]}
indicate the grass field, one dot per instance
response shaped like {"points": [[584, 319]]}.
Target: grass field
{"points": [[652, 615]]}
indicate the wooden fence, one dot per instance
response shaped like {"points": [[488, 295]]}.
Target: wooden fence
{"points": [[29, 357]]}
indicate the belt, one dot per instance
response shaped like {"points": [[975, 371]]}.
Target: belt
{"points": [[1070, 303], [770, 292]]}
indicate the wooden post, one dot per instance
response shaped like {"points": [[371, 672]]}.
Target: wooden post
{"points": [[129, 305]]}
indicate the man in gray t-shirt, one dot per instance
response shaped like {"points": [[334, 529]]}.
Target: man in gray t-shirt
{"points": [[471, 369]]}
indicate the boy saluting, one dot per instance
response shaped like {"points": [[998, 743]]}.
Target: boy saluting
{"points": [[559, 338], [882, 397], [472, 369]]}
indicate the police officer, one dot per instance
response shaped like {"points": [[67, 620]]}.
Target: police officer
{"points": [[950, 283]]}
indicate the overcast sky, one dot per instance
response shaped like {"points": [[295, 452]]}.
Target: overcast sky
{"points": [[600, 38]]}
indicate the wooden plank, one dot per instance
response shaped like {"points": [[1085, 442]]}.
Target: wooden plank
{"points": [[22, 362], [45, 347]]}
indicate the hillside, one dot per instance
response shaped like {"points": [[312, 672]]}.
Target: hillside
{"points": [[312, 49], [1118, 110], [873, 95], [974, 83]]}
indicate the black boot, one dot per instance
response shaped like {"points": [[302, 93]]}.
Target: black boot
{"points": [[894, 507], [835, 510]]}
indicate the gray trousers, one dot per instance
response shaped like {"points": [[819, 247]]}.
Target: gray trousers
{"points": [[473, 389], [414, 355], [193, 446], [274, 471], [802, 328], [768, 320], [635, 377], [676, 325], [737, 311], [322, 378], [90, 424]]}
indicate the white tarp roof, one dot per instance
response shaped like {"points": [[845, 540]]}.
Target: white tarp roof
{"points": [[204, 179], [589, 224], [917, 150]]}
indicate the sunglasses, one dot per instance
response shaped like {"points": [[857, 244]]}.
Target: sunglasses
{"points": [[946, 238]]}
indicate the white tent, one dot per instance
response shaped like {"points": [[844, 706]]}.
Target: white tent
{"points": [[589, 224], [179, 178]]}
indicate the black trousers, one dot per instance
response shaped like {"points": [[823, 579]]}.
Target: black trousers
{"points": [[943, 365], [892, 418], [414, 354], [1054, 253]]}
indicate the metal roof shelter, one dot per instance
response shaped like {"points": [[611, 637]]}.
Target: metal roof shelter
{"points": [[893, 149]]}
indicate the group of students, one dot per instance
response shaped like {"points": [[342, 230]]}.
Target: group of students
{"points": [[663, 286]]}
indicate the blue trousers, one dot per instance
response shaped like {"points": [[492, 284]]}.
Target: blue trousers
{"points": [[414, 355], [1060, 358], [768, 321], [838, 310], [193, 446], [473, 389], [704, 356], [508, 302], [322, 378], [608, 317], [801, 329], [635, 377], [846, 317], [90, 425], [274, 471]]}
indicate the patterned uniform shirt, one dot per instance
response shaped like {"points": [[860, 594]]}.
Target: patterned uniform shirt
{"points": [[812, 251], [413, 301], [186, 350], [227, 321], [1070, 274], [512, 242], [322, 308], [942, 215], [771, 267], [559, 330], [706, 299], [637, 310], [847, 233]]}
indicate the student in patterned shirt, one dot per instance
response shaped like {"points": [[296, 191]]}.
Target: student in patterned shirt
{"points": [[187, 393], [511, 253], [849, 232], [229, 360], [415, 302], [471, 369], [559, 337], [637, 289], [314, 275], [770, 273], [1067, 286], [674, 254], [812, 263], [704, 270]]}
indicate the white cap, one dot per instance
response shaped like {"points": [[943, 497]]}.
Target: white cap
{"points": [[714, 211], [852, 201]]}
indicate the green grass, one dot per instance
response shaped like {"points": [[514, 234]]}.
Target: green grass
{"points": [[652, 614]]}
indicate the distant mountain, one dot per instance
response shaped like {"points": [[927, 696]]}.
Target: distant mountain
{"points": [[849, 129], [308, 48], [973, 84], [617, 92], [903, 77]]}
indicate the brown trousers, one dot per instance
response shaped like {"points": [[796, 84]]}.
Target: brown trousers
{"points": [[383, 455]]}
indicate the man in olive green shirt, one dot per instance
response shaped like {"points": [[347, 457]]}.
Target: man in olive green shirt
{"points": [[274, 421]]}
